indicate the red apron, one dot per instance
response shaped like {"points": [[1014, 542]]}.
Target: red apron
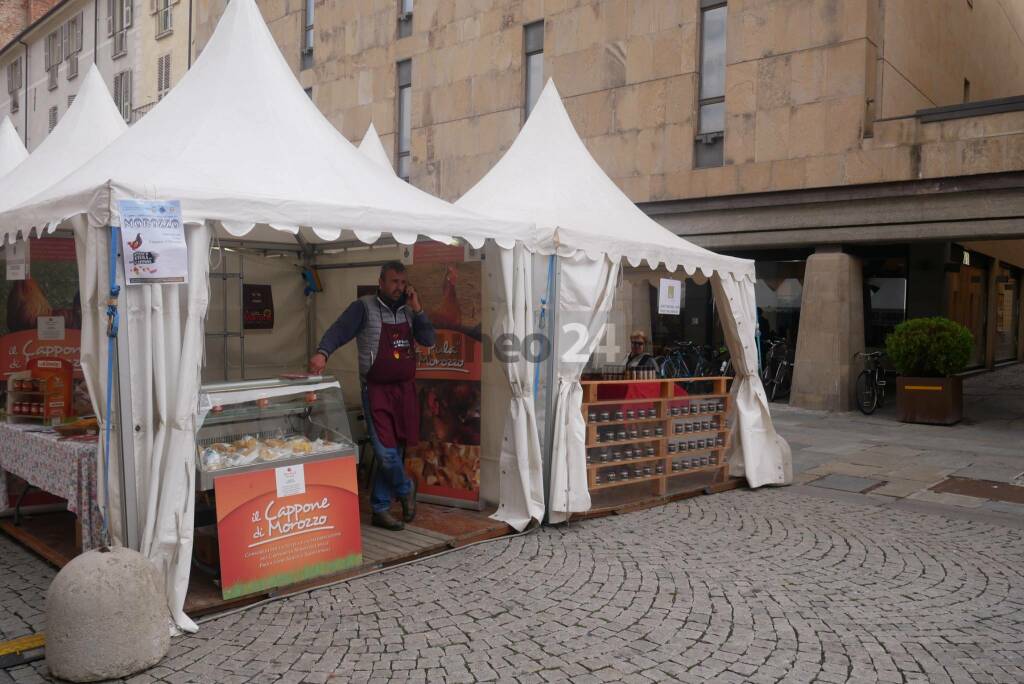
{"points": [[391, 387]]}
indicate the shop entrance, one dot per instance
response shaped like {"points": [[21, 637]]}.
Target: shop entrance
{"points": [[967, 298]]}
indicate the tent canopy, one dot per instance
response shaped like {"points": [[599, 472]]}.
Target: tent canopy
{"points": [[12, 150], [89, 125], [373, 148], [548, 176], [239, 142]]}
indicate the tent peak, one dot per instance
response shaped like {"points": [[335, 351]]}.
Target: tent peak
{"points": [[372, 147]]}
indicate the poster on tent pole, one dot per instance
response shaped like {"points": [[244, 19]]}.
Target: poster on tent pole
{"points": [[153, 242]]}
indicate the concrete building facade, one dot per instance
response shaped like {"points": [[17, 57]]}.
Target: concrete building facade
{"points": [[867, 153], [141, 47]]}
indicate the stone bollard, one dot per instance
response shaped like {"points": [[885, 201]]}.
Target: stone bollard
{"points": [[106, 617]]}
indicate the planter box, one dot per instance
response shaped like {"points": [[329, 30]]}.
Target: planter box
{"points": [[935, 401]]}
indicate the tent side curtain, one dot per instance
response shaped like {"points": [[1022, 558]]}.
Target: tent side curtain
{"points": [[586, 289], [521, 482], [164, 328], [759, 453]]}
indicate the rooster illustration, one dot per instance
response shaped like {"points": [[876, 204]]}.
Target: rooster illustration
{"points": [[448, 315], [137, 242]]}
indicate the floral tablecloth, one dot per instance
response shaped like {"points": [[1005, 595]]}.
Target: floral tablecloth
{"points": [[62, 467]]}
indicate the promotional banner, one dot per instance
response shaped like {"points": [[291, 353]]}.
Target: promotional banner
{"points": [[42, 314], [279, 526], [446, 462], [258, 307], [153, 242]]}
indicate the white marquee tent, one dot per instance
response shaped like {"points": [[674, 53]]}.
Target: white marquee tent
{"points": [[12, 150], [548, 177], [90, 124], [249, 156]]}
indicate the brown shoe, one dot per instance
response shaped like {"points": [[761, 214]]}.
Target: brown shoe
{"points": [[387, 521], [409, 504]]}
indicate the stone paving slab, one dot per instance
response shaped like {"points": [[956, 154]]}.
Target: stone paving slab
{"points": [[1004, 507], [846, 483], [948, 499], [993, 472], [898, 488]]}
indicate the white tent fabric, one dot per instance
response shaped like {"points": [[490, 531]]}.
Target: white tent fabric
{"points": [[12, 150], [90, 124], [245, 151], [547, 176], [373, 148], [585, 295], [521, 483], [238, 141]]}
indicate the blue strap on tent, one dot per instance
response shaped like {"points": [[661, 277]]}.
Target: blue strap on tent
{"points": [[113, 320], [540, 323]]}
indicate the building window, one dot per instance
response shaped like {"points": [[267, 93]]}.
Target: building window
{"points": [[307, 35], [309, 92], [53, 57], [967, 90], [72, 43], [163, 76], [14, 83], [71, 100], [404, 117], [533, 44], [404, 18], [123, 94], [164, 19], [119, 20], [708, 147], [53, 117]]}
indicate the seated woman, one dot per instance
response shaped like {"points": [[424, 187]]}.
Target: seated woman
{"points": [[638, 358]]}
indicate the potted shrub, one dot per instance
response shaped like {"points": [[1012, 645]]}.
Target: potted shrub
{"points": [[928, 353]]}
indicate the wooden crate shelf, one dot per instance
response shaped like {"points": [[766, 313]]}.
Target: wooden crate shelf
{"points": [[625, 462], [663, 403]]}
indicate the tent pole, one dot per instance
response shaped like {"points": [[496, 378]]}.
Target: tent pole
{"points": [[551, 371], [126, 450], [241, 313]]}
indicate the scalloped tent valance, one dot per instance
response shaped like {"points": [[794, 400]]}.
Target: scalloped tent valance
{"points": [[240, 143], [549, 177]]}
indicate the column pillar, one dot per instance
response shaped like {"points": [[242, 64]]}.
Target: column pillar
{"points": [[831, 332]]}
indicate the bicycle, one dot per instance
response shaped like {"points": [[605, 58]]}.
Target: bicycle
{"points": [[777, 373], [871, 382]]}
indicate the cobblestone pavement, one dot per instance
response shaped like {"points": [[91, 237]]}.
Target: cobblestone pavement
{"points": [[782, 584]]}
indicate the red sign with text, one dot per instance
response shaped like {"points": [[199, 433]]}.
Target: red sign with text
{"points": [[288, 524]]}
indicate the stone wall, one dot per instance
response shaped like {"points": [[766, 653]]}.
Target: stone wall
{"points": [[807, 83]]}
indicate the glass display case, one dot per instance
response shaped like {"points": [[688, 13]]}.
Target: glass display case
{"points": [[256, 424]]}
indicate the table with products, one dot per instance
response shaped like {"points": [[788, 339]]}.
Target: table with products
{"points": [[63, 467], [670, 433]]}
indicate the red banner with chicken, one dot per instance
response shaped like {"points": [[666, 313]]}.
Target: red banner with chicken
{"points": [[446, 462]]}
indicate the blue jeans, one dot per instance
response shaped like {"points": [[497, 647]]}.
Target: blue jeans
{"points": [[390, 481]]}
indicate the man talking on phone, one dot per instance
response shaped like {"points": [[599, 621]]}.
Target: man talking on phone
{"points": [[386, 327]]}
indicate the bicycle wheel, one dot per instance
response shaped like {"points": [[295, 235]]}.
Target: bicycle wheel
{"points": [[771, 388], [867, 396], [785, 380]]}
